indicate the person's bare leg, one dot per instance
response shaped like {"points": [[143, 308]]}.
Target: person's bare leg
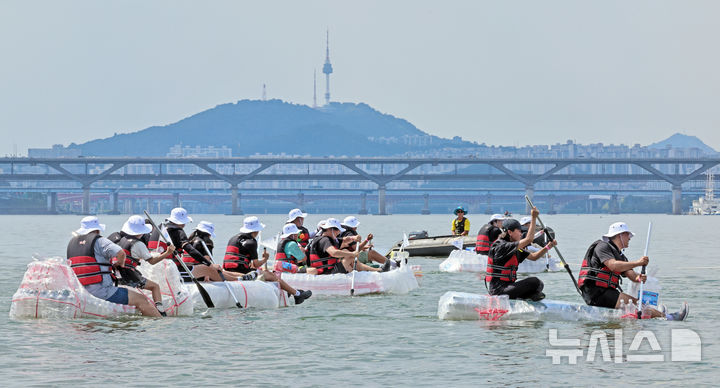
{"points": [[311, 270], [141, 303], [154, 289], [271, 277], [376, 257], [348, 264], [625, 298]]}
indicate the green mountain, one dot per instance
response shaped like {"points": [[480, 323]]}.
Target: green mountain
{"points": [[260, 127]]}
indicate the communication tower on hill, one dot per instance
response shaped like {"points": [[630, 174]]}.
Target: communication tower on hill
{"points": [[264, 95], [327, 68]]}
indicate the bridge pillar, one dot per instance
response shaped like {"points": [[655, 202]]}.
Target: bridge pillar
{"points": [[301, 200], [614, 204], [677, 199], [52, 202], [530, 192], [176, 200], [86, 201], [381, 200], [236, 208], [426, 206], [363, 204], [552, 205], [115, 202]]}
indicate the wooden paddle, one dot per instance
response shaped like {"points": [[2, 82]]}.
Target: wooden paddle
{"points": [[352, 282], [222, 276], [567, 267], [201, 289], [640, 296]]}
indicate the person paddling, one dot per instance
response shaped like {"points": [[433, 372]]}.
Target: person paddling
{"points": [[460, 225], [489, 233], [367, 254], [241, 257], [288, 249], [204, 233], [197, 261], [327, 255], [505, 256], [603, 268], [92, 256], [297, 217], [129, 238]]}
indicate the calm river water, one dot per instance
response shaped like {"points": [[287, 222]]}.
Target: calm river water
{"points": [[388, 340]]}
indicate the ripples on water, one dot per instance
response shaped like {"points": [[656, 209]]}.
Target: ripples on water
{"points": [[371, 340]]}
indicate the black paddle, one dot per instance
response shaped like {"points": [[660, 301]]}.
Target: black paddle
{"points": [[201, 289], [222, 276], [567, 267]]}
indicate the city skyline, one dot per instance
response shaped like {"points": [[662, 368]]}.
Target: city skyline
{"points": [[622, 73]]}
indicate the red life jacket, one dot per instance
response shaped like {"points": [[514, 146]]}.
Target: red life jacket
{"points": [[280, 252], [236, 258], [506, 272], [303, 237], [320, 259], [126, 243], [482, 244], [156, 241], [81, 255], [603, 276]]}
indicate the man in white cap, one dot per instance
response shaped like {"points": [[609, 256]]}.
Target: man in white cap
{"points": [[603, 267], [488, 234], [367, 254], [297, 217], [241, 257], [288, 248], [130, 240], [204, 233], [91, 257], [327, 255], [175, 225]]}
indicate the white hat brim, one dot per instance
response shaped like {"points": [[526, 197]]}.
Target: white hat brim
{"points": [[248, 230], [83, 231], [128, 230], [179, 221], [303, 215], [200, 228]]}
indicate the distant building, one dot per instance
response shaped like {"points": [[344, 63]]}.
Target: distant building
{"points": [[57, 151]]}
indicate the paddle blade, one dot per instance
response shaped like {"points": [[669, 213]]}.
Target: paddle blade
{"points": [[204, 294]]}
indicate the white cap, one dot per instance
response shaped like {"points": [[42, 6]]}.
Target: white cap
{"points": [[295, 213], [207, 227], [135, 225], [320, 224], [251, 224], [89, 224], [179, 216], [351, 221], [525, 220], [497, 217], [289, 229], [332, 223], [615, 229]]}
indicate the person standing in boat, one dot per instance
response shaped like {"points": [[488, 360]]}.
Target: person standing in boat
{"points": [[603, 268], [129, 238], [505, 256], [489, 233], [92, 256], [288, 248], [241, 257], [367, 254], [328, 256], [197, 261], [460, 225], [297, 217]]}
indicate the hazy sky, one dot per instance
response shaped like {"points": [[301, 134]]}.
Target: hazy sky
{"points": [[499, 72]]}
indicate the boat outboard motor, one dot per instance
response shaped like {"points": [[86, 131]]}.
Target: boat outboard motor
{"points": [[417, 235]]}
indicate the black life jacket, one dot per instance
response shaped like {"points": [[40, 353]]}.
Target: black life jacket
{"points": [[154, 241], [349, 232], [81, 255], [483, 242], [237, 259], [459, 226], [320, 259], [592, 275], [506, 272], [126, 242], [280, 252]]}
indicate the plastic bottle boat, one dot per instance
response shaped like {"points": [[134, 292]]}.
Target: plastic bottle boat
{"points": [[466, 306], [398, 281], [467, 261], [255, 294], [50, 289]]}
